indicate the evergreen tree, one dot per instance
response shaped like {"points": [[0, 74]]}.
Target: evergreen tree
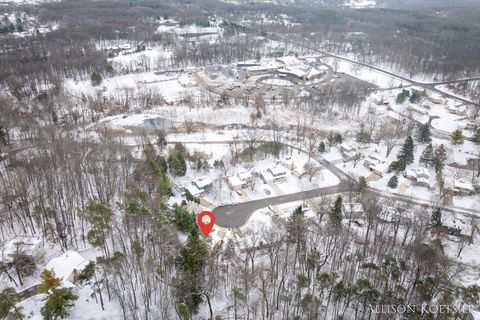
{"points": [[397, 166], [337, 138], [191, 263], [162, 163], [8, 300], [49, 281], [182, 165], [296, 225], [436, 219], [184, 220], [402, 96], [393, 182], [423, 133], [362, 184], [363, 136], [457, 137], [414, 96], [440, 158], [427, 155], [336, 212], [164, 185], [96, 79], [321, 147], [57, 303], [406, 152]]}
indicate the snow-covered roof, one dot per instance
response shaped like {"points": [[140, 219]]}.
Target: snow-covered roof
{"points": [[257, 68], [278, 171], [244, 175], [235, 181], [267, 176], [465, 227], [25, 245], [380, 167], [289, 61], [202, 182], [297, 72], [423, 172], [194, 191], [347, 147], [174, 201], [459, 184], [64, 265], [423, 180]]}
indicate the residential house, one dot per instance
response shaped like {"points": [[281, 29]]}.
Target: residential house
{"points": [[348, 151], [421, 176], [199, 186], [375, 164], [273, 174], [29, 246], [463, 188], [68, 266], [236, 183]]}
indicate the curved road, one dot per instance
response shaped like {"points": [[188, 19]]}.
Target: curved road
{"points": [[428, 86]]}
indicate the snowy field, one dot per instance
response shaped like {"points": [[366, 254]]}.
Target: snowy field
{"points": [[168, 86], [377, 78]]}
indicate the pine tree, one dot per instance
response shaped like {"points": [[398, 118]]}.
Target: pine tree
{"points": [[49, 281], [393, 182], [191, 263], [336, 212], [397, 166], [184, 220], [427, 155], [321, 147], [436, 219], [362, 184], [57, 303], [440, 158], [338, 138], [402, 96], [296, 225], [182, 165], [96, 79], [457, 137], [164, 185], [423, 133], [8, 300], [406, 152]]}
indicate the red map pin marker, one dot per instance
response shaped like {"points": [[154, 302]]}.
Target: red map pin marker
{"points": [[205, 221]]}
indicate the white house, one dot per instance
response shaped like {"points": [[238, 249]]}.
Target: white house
{"points": [[463, 187], [421, 176], [202, 182], [245, 176], [278, 172], [236, 183], [29, 246], [68, 266], [348, 151], [375, 164], [267, 177]]}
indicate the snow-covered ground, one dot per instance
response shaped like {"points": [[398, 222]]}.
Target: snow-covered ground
{"points": [[168, 86], [377, 78]]}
